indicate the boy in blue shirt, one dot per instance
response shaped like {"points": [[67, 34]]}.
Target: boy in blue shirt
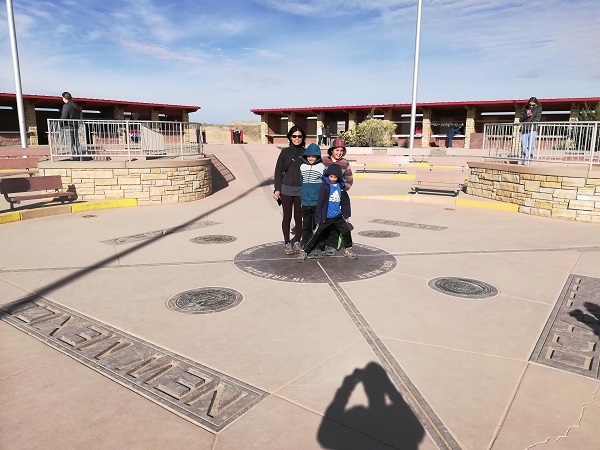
{"points": [[311, 175], [332, 212]]}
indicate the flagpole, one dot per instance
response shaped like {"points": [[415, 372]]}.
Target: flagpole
{"points": [[413, 108], [15, 57]]}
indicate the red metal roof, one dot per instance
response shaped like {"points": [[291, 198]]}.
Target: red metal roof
{"points": [[479, 103], [52, 100]]}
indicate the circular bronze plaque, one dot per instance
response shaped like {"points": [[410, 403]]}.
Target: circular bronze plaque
{"points": [[270, 261], [205, 300], [463, 287]]}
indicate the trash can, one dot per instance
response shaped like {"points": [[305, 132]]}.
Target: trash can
{"points": [[236, 137]]}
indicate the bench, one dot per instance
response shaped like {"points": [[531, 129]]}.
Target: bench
{"points": [[19, 152], [35, 188], [380, 164], [442, 180], [10, 167]]}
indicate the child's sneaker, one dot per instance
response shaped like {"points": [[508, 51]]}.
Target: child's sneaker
{"points": [[297, 247], [288, 249], [349, 253], [302, 256], [329, 251]]}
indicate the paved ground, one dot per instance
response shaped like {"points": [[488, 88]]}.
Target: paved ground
{"points": [[333, 353]]}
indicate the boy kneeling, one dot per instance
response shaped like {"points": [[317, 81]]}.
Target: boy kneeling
{"points": [[333, 211]]}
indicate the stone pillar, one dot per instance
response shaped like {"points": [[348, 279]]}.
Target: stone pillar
{"points": [[352, 120], [154, 115], [320, 119], [185, 116], [388, 114], [118, 113], [291, 120], [574, 114], [426, 132], [30, 122], [264, 128], [470, 124]]}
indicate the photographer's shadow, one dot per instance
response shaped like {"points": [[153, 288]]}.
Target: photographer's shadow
{"points": [[590, 317], [387, 418]]}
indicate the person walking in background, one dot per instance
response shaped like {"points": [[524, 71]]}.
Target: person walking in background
{"points": [[451, 133], [70, 113], [326, 135], [319, 135], [311, 171], [532, 112], [288, 187]]}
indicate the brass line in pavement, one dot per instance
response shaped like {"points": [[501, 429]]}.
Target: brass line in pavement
{"points": [[220, 261], [430, 421]]}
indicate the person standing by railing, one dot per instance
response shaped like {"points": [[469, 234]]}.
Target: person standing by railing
{"points": [[70, 113], [532, 112]]}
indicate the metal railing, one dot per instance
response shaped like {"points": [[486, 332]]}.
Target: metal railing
{"points": [[132, 139], [559, 142]]}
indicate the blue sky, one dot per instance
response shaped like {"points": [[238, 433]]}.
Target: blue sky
{"points": [[231, 56]]}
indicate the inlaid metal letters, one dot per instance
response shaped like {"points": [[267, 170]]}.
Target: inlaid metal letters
{"points": [[191, 390]]}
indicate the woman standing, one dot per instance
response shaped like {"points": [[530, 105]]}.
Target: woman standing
{"points": [[71, 113], [532, 112], [288, 187]]}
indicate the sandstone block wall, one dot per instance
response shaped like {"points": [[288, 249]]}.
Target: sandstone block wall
{"points": [[566, 192], [150, 182]]}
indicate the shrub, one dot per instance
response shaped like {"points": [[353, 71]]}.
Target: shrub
{"points": [[590, 112], [370, 133]]}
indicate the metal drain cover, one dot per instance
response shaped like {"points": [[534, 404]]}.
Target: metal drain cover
{"points": [[205, 300], [379, 234], [214, 239], [463, 287]]}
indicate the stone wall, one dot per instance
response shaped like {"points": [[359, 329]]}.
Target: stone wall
{"points": [[152, 182], [560, 191]]}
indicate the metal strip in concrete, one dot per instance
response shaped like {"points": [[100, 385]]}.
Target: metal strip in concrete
{"points": [[420, 226], [570, 340], [219, 261], [191, 390], [152, 234], [428, 418]]}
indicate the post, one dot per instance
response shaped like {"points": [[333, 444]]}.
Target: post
{"points": [[413, 108], [181, 138], [17, 71], [593, 144]]}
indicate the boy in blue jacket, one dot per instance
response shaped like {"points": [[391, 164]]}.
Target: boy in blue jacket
{"points": [[311, 175], [332, 212]]}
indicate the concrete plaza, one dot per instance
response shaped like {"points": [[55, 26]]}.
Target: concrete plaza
{"points": [[332, 353]]}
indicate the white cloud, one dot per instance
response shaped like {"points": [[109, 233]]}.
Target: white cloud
{"points": [[229, 57]]}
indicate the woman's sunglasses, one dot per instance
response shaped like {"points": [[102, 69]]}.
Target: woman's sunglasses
{"points": [[296, 136]]}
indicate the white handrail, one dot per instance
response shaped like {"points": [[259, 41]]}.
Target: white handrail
{"points": [[574, 142], [80, 139]]}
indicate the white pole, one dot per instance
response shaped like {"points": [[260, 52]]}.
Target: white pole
{"points": [[15, 56], [413, 108]]}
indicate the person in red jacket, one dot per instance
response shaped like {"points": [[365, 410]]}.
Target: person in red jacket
{"points": [[336, 153]]}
